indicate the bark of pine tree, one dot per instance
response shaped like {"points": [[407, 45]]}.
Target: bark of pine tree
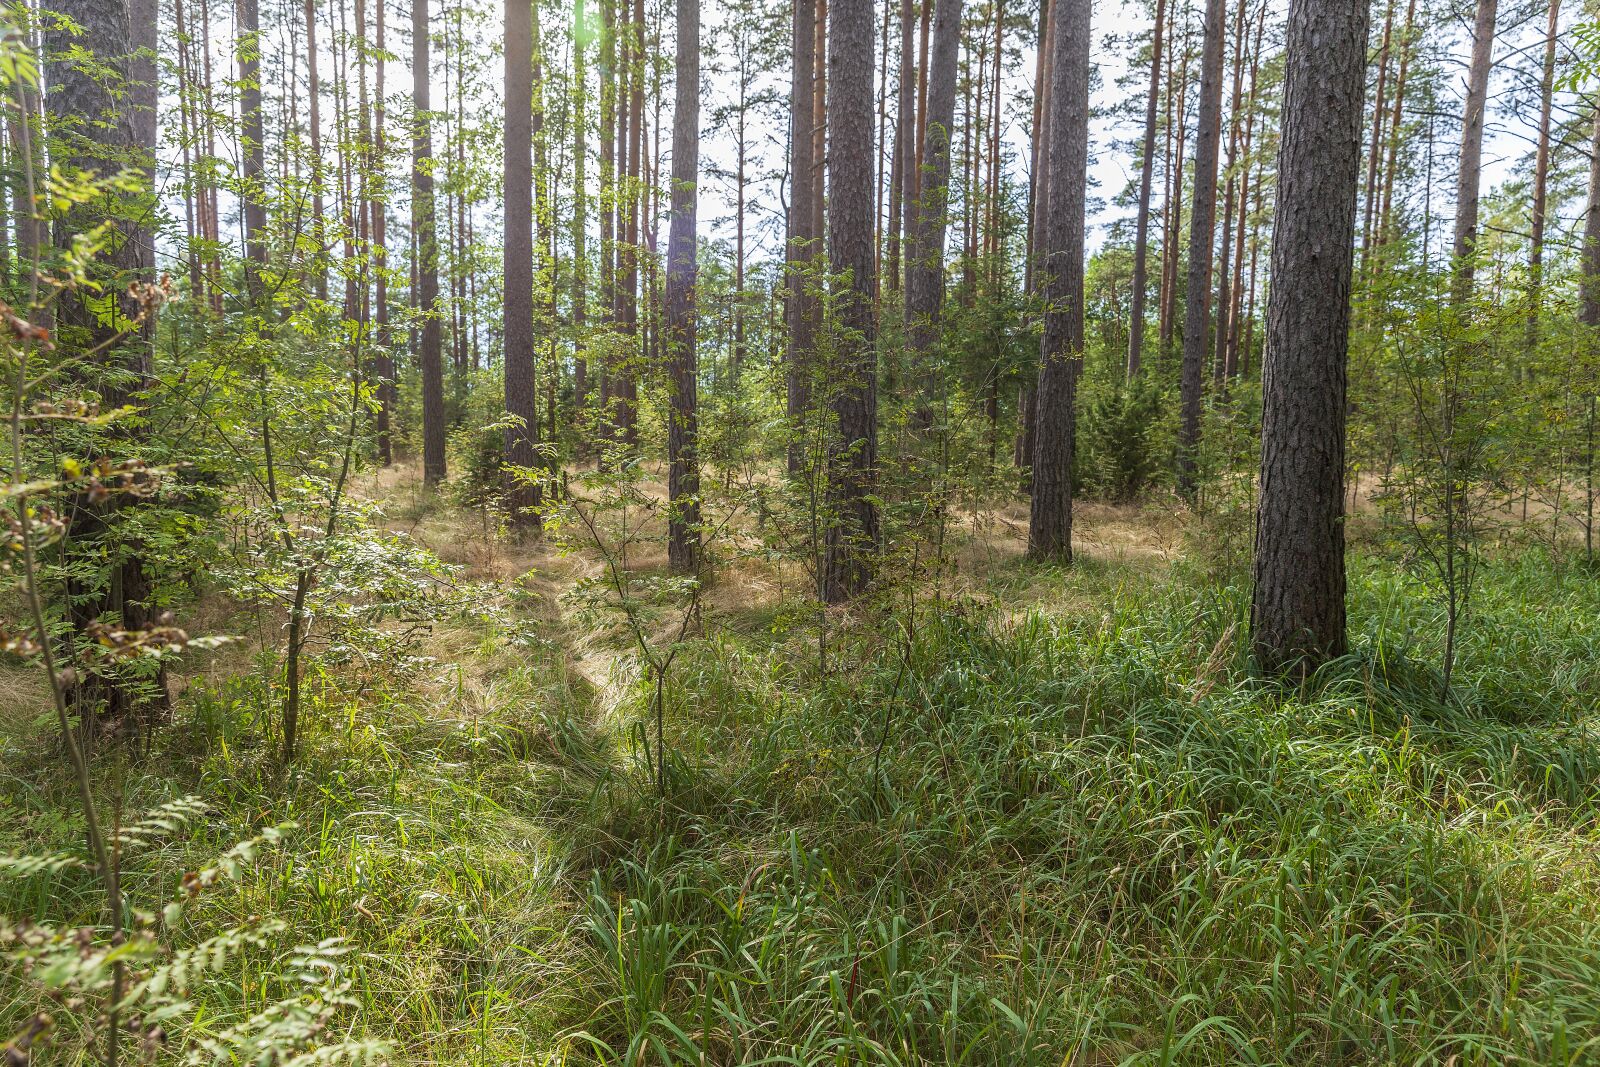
{"points": [[853, 533], [1469, 174], [521, 386], [384, 337], [1141, 240], [1202, 237], [96, 131], [580, 206], [683, 460], [925, 249], [904, 154], [1541, 179], [252, 149], [319, 271], [1060, 279], [1297, 616], [800, 246], [426, 257]]}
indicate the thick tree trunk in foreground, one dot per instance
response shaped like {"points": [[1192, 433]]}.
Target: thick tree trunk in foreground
{"points": [[522, 393], [427, 255], [1061, 283], [683, 471], [1202, 237], [853, 459], [1297, 612], [103, 135]]}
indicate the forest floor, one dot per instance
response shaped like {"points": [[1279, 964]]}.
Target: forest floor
{"points": [[1040, 815]]}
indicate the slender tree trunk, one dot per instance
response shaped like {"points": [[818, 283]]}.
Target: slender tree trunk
{"points": [[384, 357], [1141, 240], [925, 251], [521, 383], [1061, 283], [1177, 95], [683, 473], [853, 533], [194, 219], [319, 269], [252, 149], [904, 154], [427, 253], [1379, 111], [1038, 208], [1202, 227], [1225, 275], [819, 128], [1464, 248], [1297, 615], [1541, 179], [1396, 119], [580, 206], [800, 246], [1230, 350]]}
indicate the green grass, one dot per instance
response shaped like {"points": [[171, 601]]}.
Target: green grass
{"points": [[1083, 835]]}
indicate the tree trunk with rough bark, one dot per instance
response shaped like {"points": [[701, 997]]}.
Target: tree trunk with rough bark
{"points": [[683, 459], [1297, 613], [430, 344], [1061, 277], [1202, 236], [1469, 175], [925, 250], [800, 246], [853, 532], [521, 386], [1141, 239]]}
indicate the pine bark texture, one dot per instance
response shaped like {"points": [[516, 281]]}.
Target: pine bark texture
{"points": [[1141, 240], [1202, 237], [522, 394], [1297, 613], [925, 252], [683, 461], [801, 235], [96, 131], [1469, 175], [430, 343], [253, 149], [1061, 284], [853, 532]]}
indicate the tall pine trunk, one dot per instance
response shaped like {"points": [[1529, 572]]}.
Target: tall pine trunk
{"points": [[426, 258], [683, 461], [1202, 236], [521, 386], [853, 531], [801, 234], [1141, 239], [925, 250], [1060, 277], [1297, 610], [1469, 174], [1541, 179]]}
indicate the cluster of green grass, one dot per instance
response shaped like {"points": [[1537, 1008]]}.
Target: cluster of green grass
{"points": [[1081, 834]]}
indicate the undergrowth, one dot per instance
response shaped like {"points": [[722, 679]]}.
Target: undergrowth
{"points": [[1058, 821]]}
